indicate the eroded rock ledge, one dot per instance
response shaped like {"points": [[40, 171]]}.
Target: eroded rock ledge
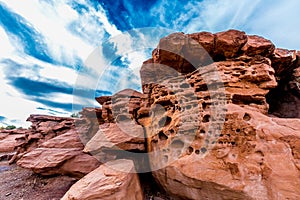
{"points": [[218, 119]]}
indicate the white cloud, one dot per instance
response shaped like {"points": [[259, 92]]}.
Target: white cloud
{"points": [[6, 48], [52, 21], [279, 22]]}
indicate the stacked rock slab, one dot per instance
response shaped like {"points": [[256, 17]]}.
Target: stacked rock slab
{"points": [[284, 100], [68, 146], [205, 117], [51, 146], [9, 141], [120, 135]]}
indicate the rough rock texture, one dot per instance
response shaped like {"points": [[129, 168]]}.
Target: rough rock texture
{"points": [[60, 155], [218, 119], [112, 181], [114, 137], [9, 141], [284, 100], [255, 157], [208, 133], [42, 129], [50, 146], [119, 134]]}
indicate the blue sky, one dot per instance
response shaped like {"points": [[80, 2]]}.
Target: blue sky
{"points": [[46, 46]]}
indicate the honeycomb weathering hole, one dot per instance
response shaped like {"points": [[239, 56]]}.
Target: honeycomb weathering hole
{"points": [[246, 117], [206, 118], [164, 121], [162, 136], [190, 150], [123, 118]]}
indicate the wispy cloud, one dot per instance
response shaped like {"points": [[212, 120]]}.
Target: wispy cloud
{"points": [[21, 32], [274, 19], [43, 53], [45, 43]]}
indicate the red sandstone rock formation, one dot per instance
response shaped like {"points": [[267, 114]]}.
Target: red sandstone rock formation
{"points": [[218, 118], [212, 138], [50, 146]]}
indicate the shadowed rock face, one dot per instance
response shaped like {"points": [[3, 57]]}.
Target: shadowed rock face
{"points": [[218, 119]]}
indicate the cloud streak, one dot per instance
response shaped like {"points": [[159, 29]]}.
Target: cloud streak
{"points": [[21, 32], [46, 46]]}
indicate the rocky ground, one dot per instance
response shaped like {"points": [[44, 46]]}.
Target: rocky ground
{"points": [[218, 118], [17, 183]]}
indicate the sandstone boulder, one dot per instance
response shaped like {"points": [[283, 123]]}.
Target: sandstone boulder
{"points": [[257, 45], [53, 161], [248, 160], [112, 181], [121, 136], [283, 61], [229, 43], [43, 128], [60, 155], [205, 39], [69, 139]]}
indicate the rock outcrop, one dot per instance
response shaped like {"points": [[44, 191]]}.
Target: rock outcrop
{"points": [[218, 119], [51, 146], [208, 132]]}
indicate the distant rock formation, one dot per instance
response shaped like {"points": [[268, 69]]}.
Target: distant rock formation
{"points": [[218, 119]]}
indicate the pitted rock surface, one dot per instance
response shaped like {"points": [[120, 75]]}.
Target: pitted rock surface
{"points": [[218, 118]]}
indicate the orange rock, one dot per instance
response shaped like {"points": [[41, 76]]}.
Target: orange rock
{"points": [[249, 160], [9, 142], [229, 43], [208, 133], [47, 160], [257, 45], [121, 136], [69, 139], [113, 180], [53, 161]]}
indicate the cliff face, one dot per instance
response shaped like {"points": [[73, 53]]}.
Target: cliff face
{"points": [[218, 119]]}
